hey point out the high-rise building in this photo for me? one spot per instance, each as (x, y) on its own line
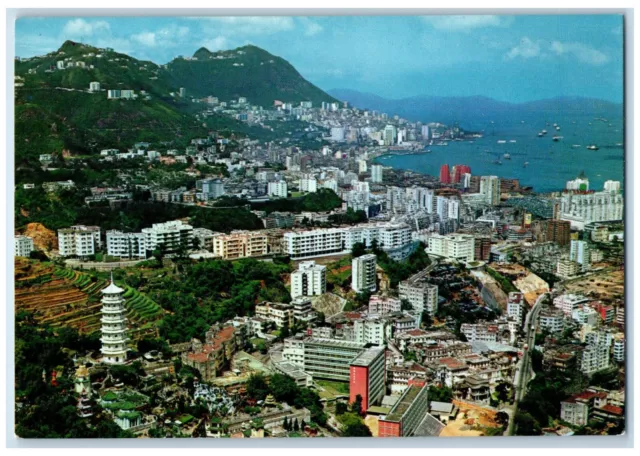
(390, 135)
(490, 188)
(559, 231)
(482, 248)
(23, 246)
(210, 188)
(367, 377)
(308, 183)
(516, 306)
(459, 171)
(309, 280)
(376, 174)
(581, 254)
(114, 325)
(277, 189)
(445, 176)
(363, 273)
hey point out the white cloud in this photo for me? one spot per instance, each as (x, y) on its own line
(526, 49)
(580, 51)
(78, 28)
(216, 44)
(145, 39)
(464, 23)
(251, 25)
(311, 28)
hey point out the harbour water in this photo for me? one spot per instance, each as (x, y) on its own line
(539, 162)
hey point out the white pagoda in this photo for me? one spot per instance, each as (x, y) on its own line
(114, 325)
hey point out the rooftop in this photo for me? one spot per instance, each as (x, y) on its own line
(367, 356)
(403, 403)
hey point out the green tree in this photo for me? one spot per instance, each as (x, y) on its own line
(356, 405)
(257, 387)
(358, 249)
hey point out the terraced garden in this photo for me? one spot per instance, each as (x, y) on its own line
(64, 297)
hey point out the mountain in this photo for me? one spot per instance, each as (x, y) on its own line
(55, 111)
(477, 109)
(248, 72)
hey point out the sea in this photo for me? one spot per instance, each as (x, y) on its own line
(550, 164)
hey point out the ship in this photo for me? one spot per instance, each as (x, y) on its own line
(557, 138)
(507, 157)
(592, 147)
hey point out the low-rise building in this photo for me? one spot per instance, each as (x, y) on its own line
(23, 246)
(309, 280)
(79, 240)
(278, 313)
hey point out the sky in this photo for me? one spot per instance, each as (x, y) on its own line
(509, 58)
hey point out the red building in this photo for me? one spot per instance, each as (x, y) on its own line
(367, 377)
(459, 171)
(445, 176)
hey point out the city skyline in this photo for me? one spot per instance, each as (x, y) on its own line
(509, 58)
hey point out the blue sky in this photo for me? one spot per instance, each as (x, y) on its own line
(510, 58)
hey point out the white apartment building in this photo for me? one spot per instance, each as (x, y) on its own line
(581, 254)
(376, 173)
(480, 332)
(458, 247)
(276, 312)
(23, 246)
(574, 411)
(612, 186)
(372, 331)
(594, 358)
(126, 245)
(551, 320)
(169, 236)
(585, 315)
(277, 189)
(79, 240)
(421, 295)
(583, 208)
(308, 183)
(363, 273)
(309, 280)
(516, 307)
(331, 241)
(567, 303)
(566, 268)
(303, 309)
(94, 86)
(381, 305)
(618, 348)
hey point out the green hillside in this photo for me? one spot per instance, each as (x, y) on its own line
(248, 72)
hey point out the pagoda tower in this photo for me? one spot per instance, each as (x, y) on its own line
(114, 325)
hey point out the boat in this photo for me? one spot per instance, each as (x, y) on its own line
(540, 135)
(557, 138)
(575, 146)
(428, 151)
(512, 141)
(507, 157)
(592, 147)
(557, 128)
(619, 145)
(525, 164)
(544, 132)
(496, 162)
(501, 141)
